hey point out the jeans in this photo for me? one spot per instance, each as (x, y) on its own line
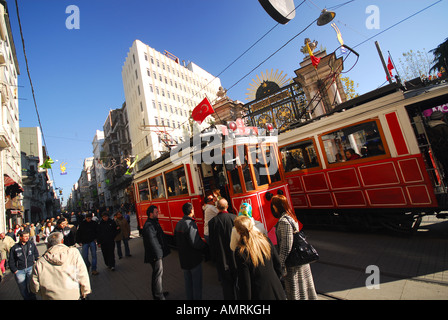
(193, 283)
(23, 278)
(127, 252)
(156, 280)
(85, 254)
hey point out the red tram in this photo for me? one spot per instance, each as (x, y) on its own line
(368, 162)
(241, 162)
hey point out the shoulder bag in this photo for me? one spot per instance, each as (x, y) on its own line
(301, 252)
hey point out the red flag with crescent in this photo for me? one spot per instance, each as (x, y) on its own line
(202, 111)
(390, 67)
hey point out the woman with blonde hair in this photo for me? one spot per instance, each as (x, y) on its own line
(299, 284)
(258, 264)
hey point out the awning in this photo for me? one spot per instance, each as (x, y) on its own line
(12, 188)
(8, 181)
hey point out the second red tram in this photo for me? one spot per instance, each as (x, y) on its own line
(242, 162)
(368, 163)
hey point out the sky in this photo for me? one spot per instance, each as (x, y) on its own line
(76, 72)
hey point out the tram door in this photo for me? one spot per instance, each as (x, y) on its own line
(433, 166)
(214, 177)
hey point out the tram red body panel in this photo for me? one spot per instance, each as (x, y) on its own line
(170, 212)
(392, 182)
(261, 207)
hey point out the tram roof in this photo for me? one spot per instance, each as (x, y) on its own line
(374, 95)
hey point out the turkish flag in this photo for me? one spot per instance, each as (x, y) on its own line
(390, 66)
(202, 111)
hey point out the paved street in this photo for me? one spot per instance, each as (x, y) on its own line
(410, 268)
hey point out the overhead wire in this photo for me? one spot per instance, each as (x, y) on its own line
(32, 87)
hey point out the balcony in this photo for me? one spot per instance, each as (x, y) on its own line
(2, 55)
(5, 139)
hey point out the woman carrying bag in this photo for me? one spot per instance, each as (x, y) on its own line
(298, 280)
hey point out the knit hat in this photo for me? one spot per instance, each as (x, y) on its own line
(436, 115)
(245, 210)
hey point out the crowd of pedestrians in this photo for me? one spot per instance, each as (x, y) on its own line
(249, 264)
(62, 272)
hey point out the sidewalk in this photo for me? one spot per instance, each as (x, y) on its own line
(410, 268)
(132, 278)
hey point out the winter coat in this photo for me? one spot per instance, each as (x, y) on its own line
(69, 235)
(154, 241)
(188, 241)
(261, 282)
(107, 230)
(220, 228)
(60, 274)
(87, 232)
(210, 211)
(125, 229)
(22, 256)
(5, 246)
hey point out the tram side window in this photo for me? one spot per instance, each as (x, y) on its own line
(143, 190)
(176, 182)
(359, 141)
(157, 189)
(299, 156)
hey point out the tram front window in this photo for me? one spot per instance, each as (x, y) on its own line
(271, 160)
(246, 167)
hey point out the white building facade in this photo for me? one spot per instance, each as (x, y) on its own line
(103, 192)
(160, 94)
(11, 209)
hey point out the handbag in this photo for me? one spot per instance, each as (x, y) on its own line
(301, 251)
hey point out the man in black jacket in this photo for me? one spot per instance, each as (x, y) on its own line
(86, 236)
(191, 248)
(220, 230)
(107, 230)
(156, 249)
(21, 260)
(67, 232)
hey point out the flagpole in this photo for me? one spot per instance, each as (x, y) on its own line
(383, 62)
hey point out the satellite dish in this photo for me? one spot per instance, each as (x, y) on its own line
(281, 11)
(325, 17)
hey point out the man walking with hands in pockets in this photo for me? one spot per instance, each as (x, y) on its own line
(156, 249)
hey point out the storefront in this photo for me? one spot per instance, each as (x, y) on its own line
(13, 205)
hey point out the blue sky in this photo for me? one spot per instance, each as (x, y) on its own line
(77, 73)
